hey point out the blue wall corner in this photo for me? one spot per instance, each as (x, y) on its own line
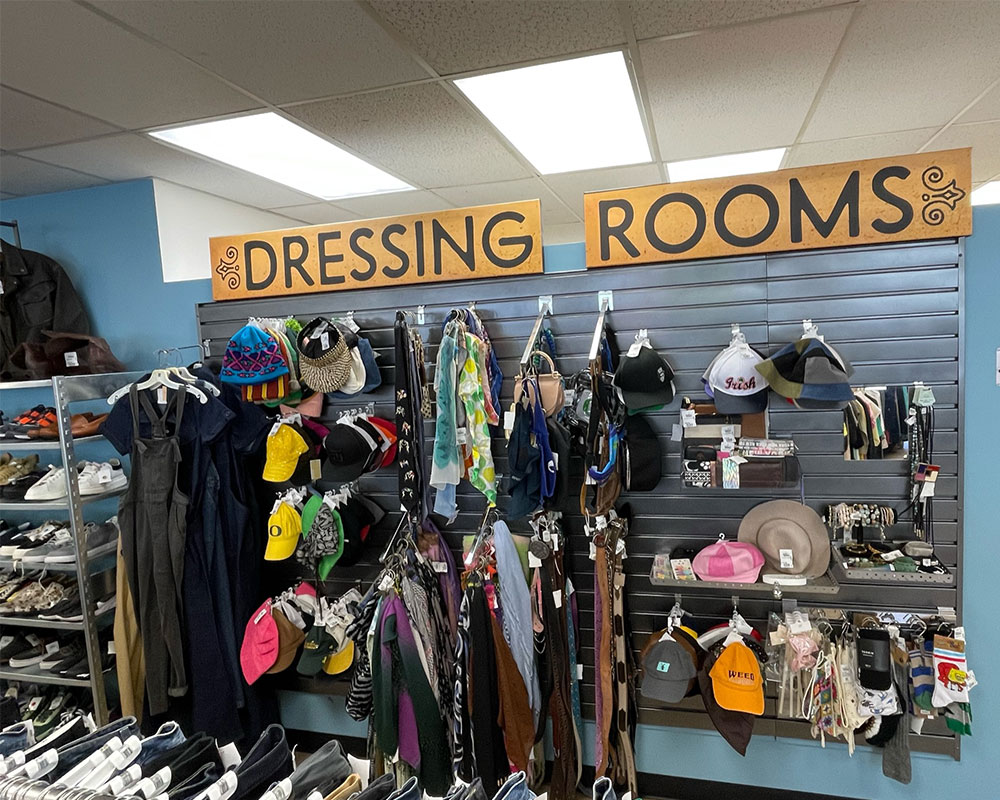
(564, 257)
(106, 239)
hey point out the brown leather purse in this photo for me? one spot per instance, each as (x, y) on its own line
(550, 386)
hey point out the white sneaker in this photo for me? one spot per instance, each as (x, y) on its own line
(100, 478)
(52, 486)
(38, 555)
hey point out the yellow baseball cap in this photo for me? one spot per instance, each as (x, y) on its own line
(341, 661)
(736, 680)
(283, 531)
(284, 446)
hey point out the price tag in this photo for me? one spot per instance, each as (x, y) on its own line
(104, 473)
(52, 647)
(71, 359)
(579, 672)
(461, 436)
(557, 599)
(688, 418)
(633, 351)
(676, 432)
(324, 341)
(533, 561)
(892, 555)
(315, 469)
(786, 558)
(161, 395)
(439, 566)
(112, 650)
(508, 421)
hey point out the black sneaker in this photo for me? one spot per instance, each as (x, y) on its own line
(32, 655)
(66, 650)
(17, 645)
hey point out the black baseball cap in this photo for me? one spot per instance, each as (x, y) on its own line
(346, 454)
(645, 381)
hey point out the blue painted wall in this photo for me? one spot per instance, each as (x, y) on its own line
(106, 238)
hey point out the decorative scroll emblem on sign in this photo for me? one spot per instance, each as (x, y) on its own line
(229, 270)
(877, 201)
(949, 195)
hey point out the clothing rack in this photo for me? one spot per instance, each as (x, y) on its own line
(17, 231)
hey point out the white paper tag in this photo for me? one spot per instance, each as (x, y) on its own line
(676, 432)
(260, 615)
(315, 469)
(557, 599)
(508, 421)
(229, 755)
(112, 650)
(33, 640)
(533, 561)
(104, 473)
(732, 638)
(927, 490)
(892, 555)
(579, 672)
(71, 359)
(439, 566)
(161, 395)
(555, 541)
(592, 550)
(324, 341)
(51, 647)
(633, 351)
(461, 436)
(688, 418)
(787, 559)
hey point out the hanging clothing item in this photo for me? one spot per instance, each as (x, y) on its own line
(446, 465)
(515, 600)
(515, 717)
(408, 418)
(481, 472)
(129, 661)
(152, 516)
(484, 699)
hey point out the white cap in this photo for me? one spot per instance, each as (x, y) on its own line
(732, 371)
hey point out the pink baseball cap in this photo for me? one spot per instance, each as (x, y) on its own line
(260, 643)
(737, 562)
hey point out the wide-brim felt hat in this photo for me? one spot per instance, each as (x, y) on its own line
(785, 527)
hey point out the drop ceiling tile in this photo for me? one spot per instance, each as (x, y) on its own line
(907, 65)
(983, 138)
(463, 35)
(885, 144)
(566, 233)
(317, 213)
(27, 122)
(570, 186)
(312, 49)
(422, 133)
(738, 89)
(986, 110)
(393, 204)
(127, 156)
(656, 18)
(24, 176)
(65, 53)
(553, 211)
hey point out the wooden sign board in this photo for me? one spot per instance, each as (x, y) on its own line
(458, 244)
(920, 196)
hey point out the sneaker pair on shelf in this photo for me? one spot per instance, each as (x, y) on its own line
(92, 478)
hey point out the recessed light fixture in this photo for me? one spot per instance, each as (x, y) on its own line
(270, 146)
(986, 195)
(566, 115)
(698, 169)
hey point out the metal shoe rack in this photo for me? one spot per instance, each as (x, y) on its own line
(65, 391)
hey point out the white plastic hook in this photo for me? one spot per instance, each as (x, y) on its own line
(809, 331)
(420, 315)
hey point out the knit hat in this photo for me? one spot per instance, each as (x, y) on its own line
(735, 562)
(324, 359)
(252, 356)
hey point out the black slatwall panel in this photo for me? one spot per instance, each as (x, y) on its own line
(893, 311)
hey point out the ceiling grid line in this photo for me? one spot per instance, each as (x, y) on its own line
(954, 120)
(827, 77)
(633, 60)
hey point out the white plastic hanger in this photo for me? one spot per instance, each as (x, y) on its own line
(122, 781)
(222, 789)
(185, 375)
(37, 767)
(281, 790)
(116, 762)
(91, 762)
(154, 784)
(158, 377)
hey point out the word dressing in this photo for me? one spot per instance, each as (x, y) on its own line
(921, 196)
(480, 242)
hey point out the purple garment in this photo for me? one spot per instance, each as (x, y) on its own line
(409, 745)
(448, 581)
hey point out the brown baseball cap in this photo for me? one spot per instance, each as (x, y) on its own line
(289, 639)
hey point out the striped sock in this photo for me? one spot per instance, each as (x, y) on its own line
(922, 676)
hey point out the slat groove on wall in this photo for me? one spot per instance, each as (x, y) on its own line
(893, 311)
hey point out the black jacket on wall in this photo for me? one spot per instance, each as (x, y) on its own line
(35, 295)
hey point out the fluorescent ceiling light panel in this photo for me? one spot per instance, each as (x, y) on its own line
(987, 195)
(720, 166)
(270, 146)
(567, 115)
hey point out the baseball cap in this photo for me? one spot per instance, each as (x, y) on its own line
(645, 380)
(735, 384)
(737, 684)
(669, 670)
(289, 639)
(736, 562)
(317, 646)
(260, 643)
(285, 445)
(341, 660)
(736, 727)
(347, 453)
(283, 529)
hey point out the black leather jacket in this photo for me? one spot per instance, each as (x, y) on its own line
(35, 295)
